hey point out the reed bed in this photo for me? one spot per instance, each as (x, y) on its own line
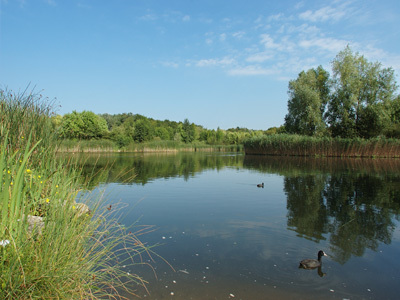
(67, 252)
(93, 146)
(296, 145)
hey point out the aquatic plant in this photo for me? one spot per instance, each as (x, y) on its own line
(53, 247)
(299, 145)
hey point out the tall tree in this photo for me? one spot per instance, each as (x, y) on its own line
(308, 96)
(188, 131)
(360, 104)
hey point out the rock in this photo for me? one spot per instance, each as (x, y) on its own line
(35, 224)
(82, 209)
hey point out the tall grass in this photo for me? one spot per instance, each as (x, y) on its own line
(296, 145)
(150, 146)
(76, 254)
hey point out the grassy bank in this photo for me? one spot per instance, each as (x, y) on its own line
(153, 146)
(296, 145)
(51, 247)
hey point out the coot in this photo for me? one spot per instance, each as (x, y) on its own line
(312, 263)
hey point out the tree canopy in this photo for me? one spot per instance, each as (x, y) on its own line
(127, 128)
(358, 101)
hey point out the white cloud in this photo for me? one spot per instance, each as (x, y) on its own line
(222, 37)
(215, 62)
(259, 57)
(149, 17)
(276, 17)
(186, 18)
(268, 42)
(251, 71)
(170, 64)
(299, 5)
(51, 2)
(329, 44)
(325, 14)
(238, 34)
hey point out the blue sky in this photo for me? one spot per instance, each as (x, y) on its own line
(217, 63)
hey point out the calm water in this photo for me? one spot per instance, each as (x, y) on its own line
(225, 236)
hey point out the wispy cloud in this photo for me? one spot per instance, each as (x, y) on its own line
(251, 70)
(226, 61)
(170, 64)
(259, 57)
(51, 2)
(239, 34)
(269, 42)
(149, 17)
(327, 13)
(331, 45)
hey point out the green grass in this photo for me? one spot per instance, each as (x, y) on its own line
(297, 145)
(75, 255)
(150, 146)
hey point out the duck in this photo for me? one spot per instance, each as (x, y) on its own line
(260, 185)
(312, 263)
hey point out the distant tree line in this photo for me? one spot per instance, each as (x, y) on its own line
(127, 128)
(357, 101)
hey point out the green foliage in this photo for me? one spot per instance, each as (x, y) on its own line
(188, 131)
(23, 114)
(84, 125)
(73, 256)
(359, 100)
(126, 130)
(143, 131)
(362, 97)
(308, 96)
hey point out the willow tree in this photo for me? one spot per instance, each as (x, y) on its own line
(361, 101)
(308, 96)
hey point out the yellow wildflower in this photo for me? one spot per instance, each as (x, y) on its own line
(9, 172)
(28, 171)
(73, 207)
(47, 200)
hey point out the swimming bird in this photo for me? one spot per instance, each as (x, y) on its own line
(312, 263)
(260, 185)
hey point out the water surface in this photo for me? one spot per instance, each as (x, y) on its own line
(226, 237)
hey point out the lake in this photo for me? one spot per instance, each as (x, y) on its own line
(224, 237)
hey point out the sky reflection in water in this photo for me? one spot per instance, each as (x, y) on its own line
(229, 237)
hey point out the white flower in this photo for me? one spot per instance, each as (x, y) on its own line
(4, 243)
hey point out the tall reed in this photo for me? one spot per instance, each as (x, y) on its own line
(49, 247)
(296, 145)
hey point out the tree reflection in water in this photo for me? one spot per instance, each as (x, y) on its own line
(350, 202)
(353, 203)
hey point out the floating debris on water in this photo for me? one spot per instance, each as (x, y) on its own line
(231, 296)
(183, 271)
(172, 293)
